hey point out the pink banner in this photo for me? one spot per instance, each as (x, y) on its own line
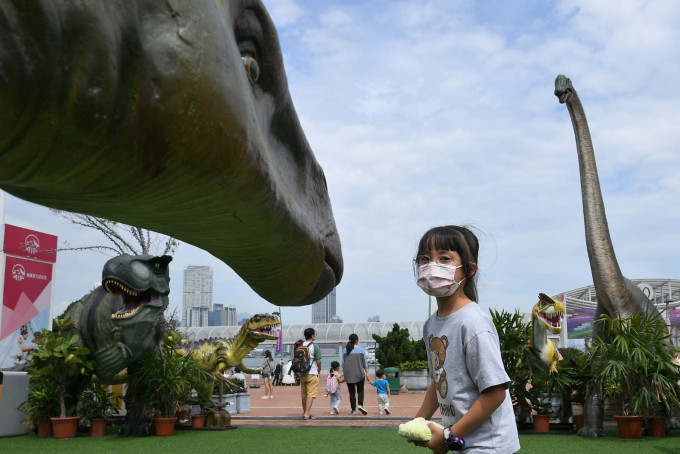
(28, 291)
(30, 244)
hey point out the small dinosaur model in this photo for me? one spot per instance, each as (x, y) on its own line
(546, 317)
(122, 320)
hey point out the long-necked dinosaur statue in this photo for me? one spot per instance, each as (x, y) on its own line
(174, 116)
(616, 295)
(546, 317)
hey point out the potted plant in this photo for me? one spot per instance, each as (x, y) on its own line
(95, 404)
(521, 364)
(41, 404)
(167, 379)
(61, 362)
(414, 376)
(635, 364)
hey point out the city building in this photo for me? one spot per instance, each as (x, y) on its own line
(217, 316)
(231, 315)
(324, 310)
(198, 296)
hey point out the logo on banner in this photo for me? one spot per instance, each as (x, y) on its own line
(18, 272)
(32, 244)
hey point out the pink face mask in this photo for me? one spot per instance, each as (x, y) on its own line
(438, 280)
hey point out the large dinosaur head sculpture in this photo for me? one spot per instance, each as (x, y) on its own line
(174, 116)
(548, 312)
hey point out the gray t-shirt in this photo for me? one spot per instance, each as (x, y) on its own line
(465, 359)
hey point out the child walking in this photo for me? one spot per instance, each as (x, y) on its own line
(469, 383)
(333, 387)
(382, 386)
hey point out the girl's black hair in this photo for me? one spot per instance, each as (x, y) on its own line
(461, 240)
(334, 365)
(268, 355)
(353, 338)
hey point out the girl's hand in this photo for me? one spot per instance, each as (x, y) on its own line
(436, 443)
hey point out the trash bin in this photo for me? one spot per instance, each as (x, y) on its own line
(392, 376)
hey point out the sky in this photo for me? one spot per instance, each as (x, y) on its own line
(442, 112)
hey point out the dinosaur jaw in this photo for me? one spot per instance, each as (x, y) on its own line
(551, 320)
(133, 300)
(267, 332)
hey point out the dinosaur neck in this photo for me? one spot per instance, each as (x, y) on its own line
(607, 278)
(539, 336)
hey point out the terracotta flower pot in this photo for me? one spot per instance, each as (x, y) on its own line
(541, 423)
(656, 426)
(164, 426)
(629, 426)
(578, 421)
(198, 421)
(44, 428)
(98, 428)
(65, 427)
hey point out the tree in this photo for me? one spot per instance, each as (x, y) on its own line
(397, 348)
(123, 238)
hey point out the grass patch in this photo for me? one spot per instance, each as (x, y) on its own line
(248, 440)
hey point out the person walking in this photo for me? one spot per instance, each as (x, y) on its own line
(309, 380)
(278, 371)
(267, 369)
(355, 371)
(382, 386)
(333, 387)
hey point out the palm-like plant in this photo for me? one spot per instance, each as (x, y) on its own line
(61, 362)
(165, 379)
(521, 363)
(635, 363)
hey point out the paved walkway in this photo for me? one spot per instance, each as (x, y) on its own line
(285, 409)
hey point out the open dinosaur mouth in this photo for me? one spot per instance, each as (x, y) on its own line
(133, 300)
(553, 318)
(266, 331)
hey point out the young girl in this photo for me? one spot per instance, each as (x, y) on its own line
(334, 390)
(267, 369)
(469, 384)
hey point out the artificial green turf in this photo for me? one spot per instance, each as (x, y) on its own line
(316, 440)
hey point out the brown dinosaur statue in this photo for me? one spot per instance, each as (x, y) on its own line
(174, 116)
(616, 295)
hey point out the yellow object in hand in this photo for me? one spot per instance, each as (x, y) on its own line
(417, 429)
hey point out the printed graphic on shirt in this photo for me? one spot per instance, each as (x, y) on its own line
(437, 353)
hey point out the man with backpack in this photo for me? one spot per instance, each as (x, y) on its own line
(307, 363)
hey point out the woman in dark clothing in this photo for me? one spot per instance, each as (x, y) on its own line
(355, 370)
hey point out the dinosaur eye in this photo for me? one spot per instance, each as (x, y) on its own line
(157, 265)
(252, 68)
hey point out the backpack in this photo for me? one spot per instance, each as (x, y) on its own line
(331, 384)
(302, 359)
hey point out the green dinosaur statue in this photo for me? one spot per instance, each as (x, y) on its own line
(546, 317)
(616, 295)
(174, 116)
(122, 321)
(216, 355)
